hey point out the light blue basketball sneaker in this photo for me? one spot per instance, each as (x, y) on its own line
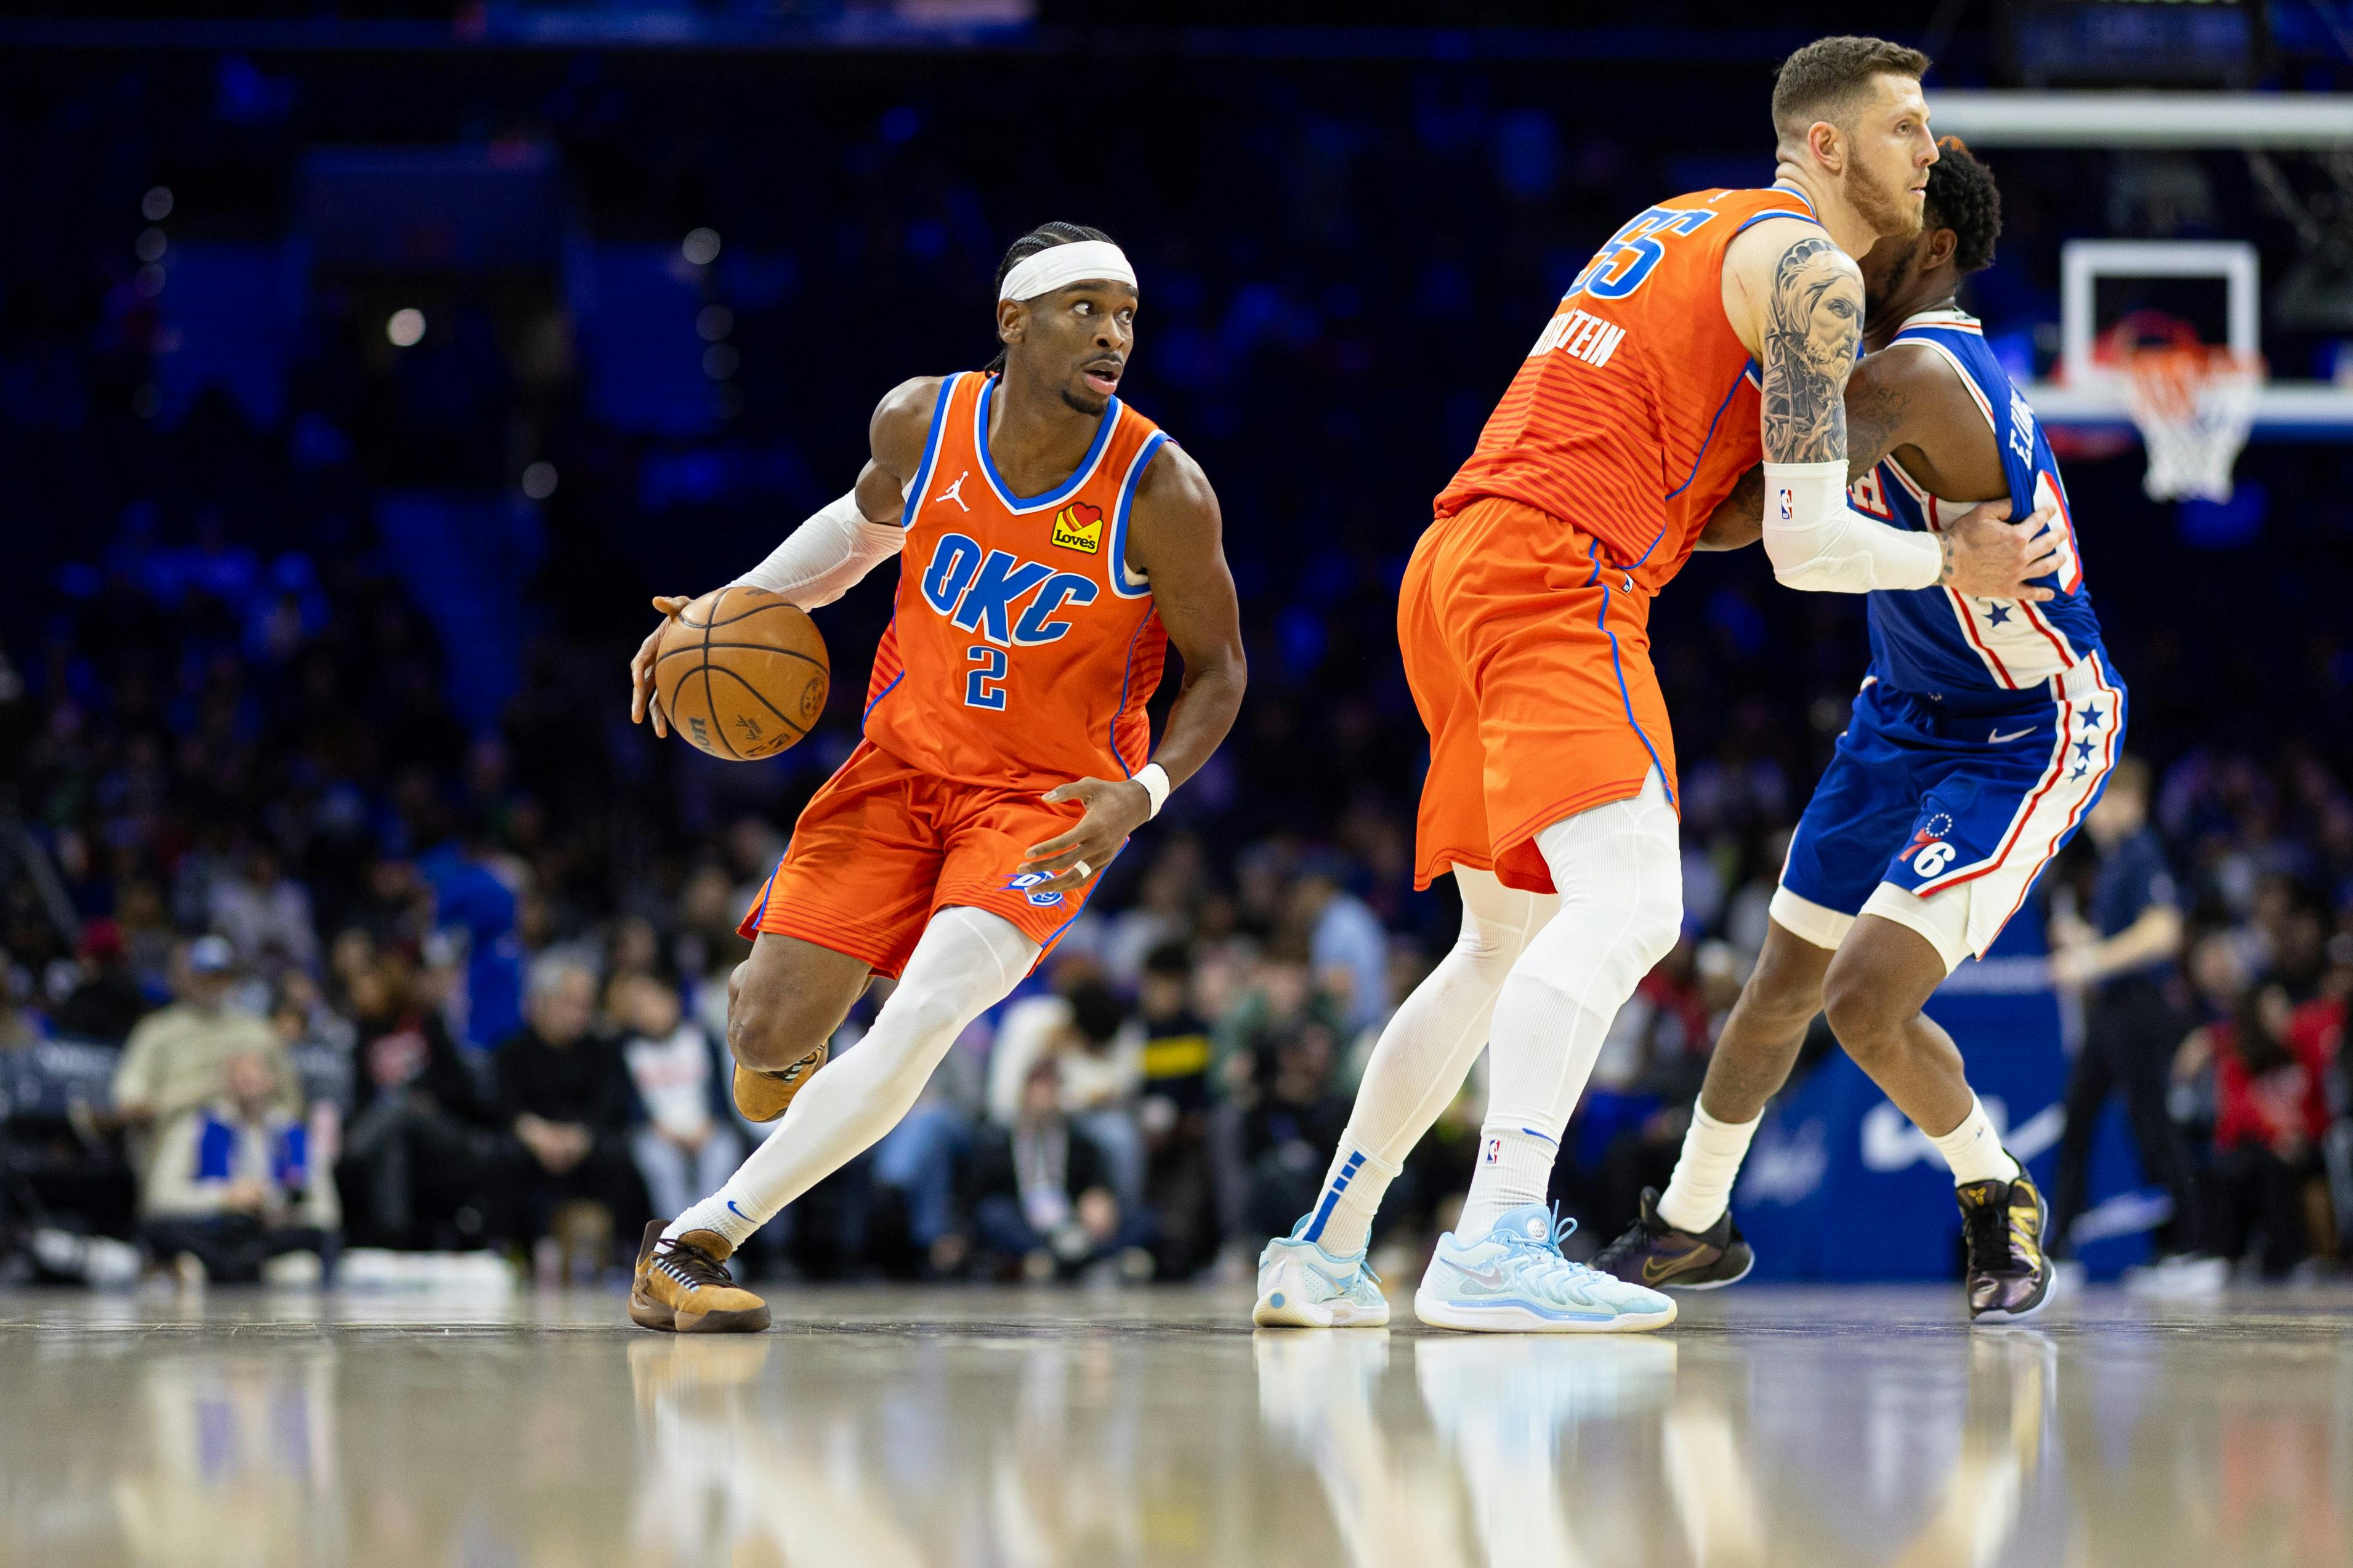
(1301, 1286)
(1515, 1280)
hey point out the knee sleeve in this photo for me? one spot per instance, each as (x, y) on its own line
(1619, 871)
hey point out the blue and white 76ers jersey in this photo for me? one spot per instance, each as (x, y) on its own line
(1934, 641)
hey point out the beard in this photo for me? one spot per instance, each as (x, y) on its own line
(1875, 298)
(1094, 408)
(1890, 211)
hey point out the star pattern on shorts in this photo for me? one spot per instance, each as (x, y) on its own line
(2081, 769)
(2085, 748)
(2092, 717)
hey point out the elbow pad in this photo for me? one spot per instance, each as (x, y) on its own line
(826, 556)
(1819, 543)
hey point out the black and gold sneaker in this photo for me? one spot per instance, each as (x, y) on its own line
(2009, 1272)
(1655, 1254)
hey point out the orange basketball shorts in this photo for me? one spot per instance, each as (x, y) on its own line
(883, 846)
(1529, 655)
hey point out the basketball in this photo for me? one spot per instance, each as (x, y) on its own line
(741, 673)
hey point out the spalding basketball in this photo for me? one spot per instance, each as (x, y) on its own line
(741, 673)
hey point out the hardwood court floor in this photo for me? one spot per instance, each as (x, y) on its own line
(875, 1428)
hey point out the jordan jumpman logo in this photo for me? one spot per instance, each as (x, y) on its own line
(955, 492)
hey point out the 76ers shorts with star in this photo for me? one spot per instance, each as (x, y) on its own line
(1940, 816)
(883, 846)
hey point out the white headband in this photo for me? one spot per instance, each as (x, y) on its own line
(1060, 265)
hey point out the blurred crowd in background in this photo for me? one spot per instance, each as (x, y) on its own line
(341, 909)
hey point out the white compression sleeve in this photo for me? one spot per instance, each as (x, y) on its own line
(1619, 871)
(1424, 1053)
(966, 962)
(825, 557)
(1819, 543)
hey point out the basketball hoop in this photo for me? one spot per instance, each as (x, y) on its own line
(2193, 401)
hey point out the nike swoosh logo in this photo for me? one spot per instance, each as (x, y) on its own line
(1997, 737)
(1491, 1277)
(1652, 1272)
(739, 1214)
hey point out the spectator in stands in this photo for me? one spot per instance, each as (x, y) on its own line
(1042, 1196)
(176, 1060)
(1175, 1110)
(424, 1159)
(2273, 1113)
(688, 1145)
(1102, 1065)
(566, 1095)
(107, 1003)
(2123, 957)
(1348, 950)
(18, 1028)
(1297, 1116)
(232, 1186)
(470, 895)
(263, 912)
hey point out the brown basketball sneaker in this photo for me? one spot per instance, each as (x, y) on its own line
(683, 1287)
(763, 1095)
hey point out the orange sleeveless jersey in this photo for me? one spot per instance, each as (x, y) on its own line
(1022, 650)
(1637, 410)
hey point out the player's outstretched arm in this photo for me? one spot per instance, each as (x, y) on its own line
(1176, 538)
(831, 551)
(1796, 301)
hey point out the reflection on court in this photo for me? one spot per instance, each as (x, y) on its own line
(972, 1428)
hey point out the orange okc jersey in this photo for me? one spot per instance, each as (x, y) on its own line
(1637, 410)
(1023, 649)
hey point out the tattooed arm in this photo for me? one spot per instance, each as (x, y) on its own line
(1813, 320)
(1796, 301)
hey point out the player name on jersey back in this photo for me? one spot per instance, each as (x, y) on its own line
(1581, 337)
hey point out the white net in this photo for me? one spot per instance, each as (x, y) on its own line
(2194, 407)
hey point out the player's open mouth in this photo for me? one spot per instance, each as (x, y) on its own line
(1101, 375)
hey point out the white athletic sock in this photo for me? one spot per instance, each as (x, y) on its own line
(1423, 1055)
(1700, 1189)
(967, 961)
(1342, 1220)
(1974, 1149)
(1514, 1167)
(1619, 871)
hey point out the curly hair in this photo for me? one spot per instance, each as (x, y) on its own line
(1045, 237)
(1962, 198)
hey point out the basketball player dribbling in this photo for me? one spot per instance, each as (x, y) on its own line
(1713, 331)
(1054, 543)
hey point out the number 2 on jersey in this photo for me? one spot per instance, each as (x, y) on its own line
(1620, 266)
(980, 684)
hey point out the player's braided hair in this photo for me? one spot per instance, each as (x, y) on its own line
(1962, 198)
(1045, 237)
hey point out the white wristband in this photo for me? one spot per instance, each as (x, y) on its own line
(1155, 780)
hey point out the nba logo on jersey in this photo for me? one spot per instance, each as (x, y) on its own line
(1788, 506)
(1078, 527)
(1494, 1150)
